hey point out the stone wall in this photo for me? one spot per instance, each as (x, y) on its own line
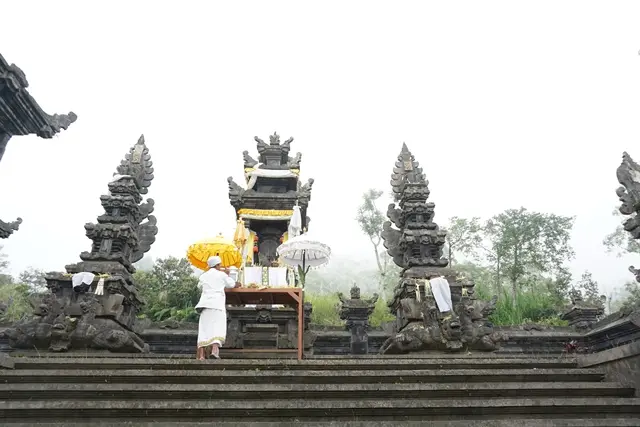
(612, 340)
(614, 346)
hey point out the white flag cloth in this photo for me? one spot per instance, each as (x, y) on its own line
(441, 293)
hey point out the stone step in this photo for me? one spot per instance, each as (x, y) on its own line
(275, 364)
(320, 410)
(309, 391)
(258, 376)
(511, 422)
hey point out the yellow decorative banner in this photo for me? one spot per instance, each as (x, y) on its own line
(265, 212)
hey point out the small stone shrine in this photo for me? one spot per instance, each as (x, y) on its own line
(415, 242)
(355, 312)
(273, 191)
(20, 114)
(95, 304)
(580, 314)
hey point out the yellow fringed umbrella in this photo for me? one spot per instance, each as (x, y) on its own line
(200, 252)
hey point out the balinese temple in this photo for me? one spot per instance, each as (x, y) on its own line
(274, 199)
(20, 114)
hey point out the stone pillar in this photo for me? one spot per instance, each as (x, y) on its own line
(356, 311)
(582, 315)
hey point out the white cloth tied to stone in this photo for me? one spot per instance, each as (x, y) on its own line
(267, 173)
(441, 293)
(85, 278)
(100, 287)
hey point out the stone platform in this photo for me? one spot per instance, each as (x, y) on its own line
(486, 390)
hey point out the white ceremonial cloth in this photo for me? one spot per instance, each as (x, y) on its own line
(212, 327)
(253, 275)
(277, 277)
(441, 293)
(85, 278)
(267, 173)
(212, 283)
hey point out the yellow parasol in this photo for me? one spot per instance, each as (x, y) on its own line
(200, 252)
(239, 237)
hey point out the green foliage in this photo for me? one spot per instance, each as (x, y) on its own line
(524, 243)
(621, 242)
(170, 290)
(369, 217)
(632, 300)
(589, 289)
(326, 308)
(34, 278)
(4, 263)
(536, 302)
(371, 220)
(534, 305)
(464, 236)
(16, 299)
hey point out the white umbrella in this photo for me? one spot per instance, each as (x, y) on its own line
(304, 252)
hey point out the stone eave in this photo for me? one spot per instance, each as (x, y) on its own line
(7, 228)
(20, 114)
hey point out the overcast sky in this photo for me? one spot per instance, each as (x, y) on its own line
(505, 104)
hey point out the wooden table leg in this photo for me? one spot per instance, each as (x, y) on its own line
(300, 326)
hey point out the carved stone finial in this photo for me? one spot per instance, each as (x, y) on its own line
(355, 292)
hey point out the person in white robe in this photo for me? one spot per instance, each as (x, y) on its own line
(212, 328)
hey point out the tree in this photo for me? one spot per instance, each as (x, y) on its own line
(371, 219)
(463, 236)
(5, 279)
(145, 264)
(525, 242)
(170, 289)
(632, 300)
(589, 289)
(620, 241)
(34, 279)
(4, 263)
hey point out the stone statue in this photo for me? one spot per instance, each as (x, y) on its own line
(415, 243)
(102, 314)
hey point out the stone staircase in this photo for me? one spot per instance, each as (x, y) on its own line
(481, 391)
